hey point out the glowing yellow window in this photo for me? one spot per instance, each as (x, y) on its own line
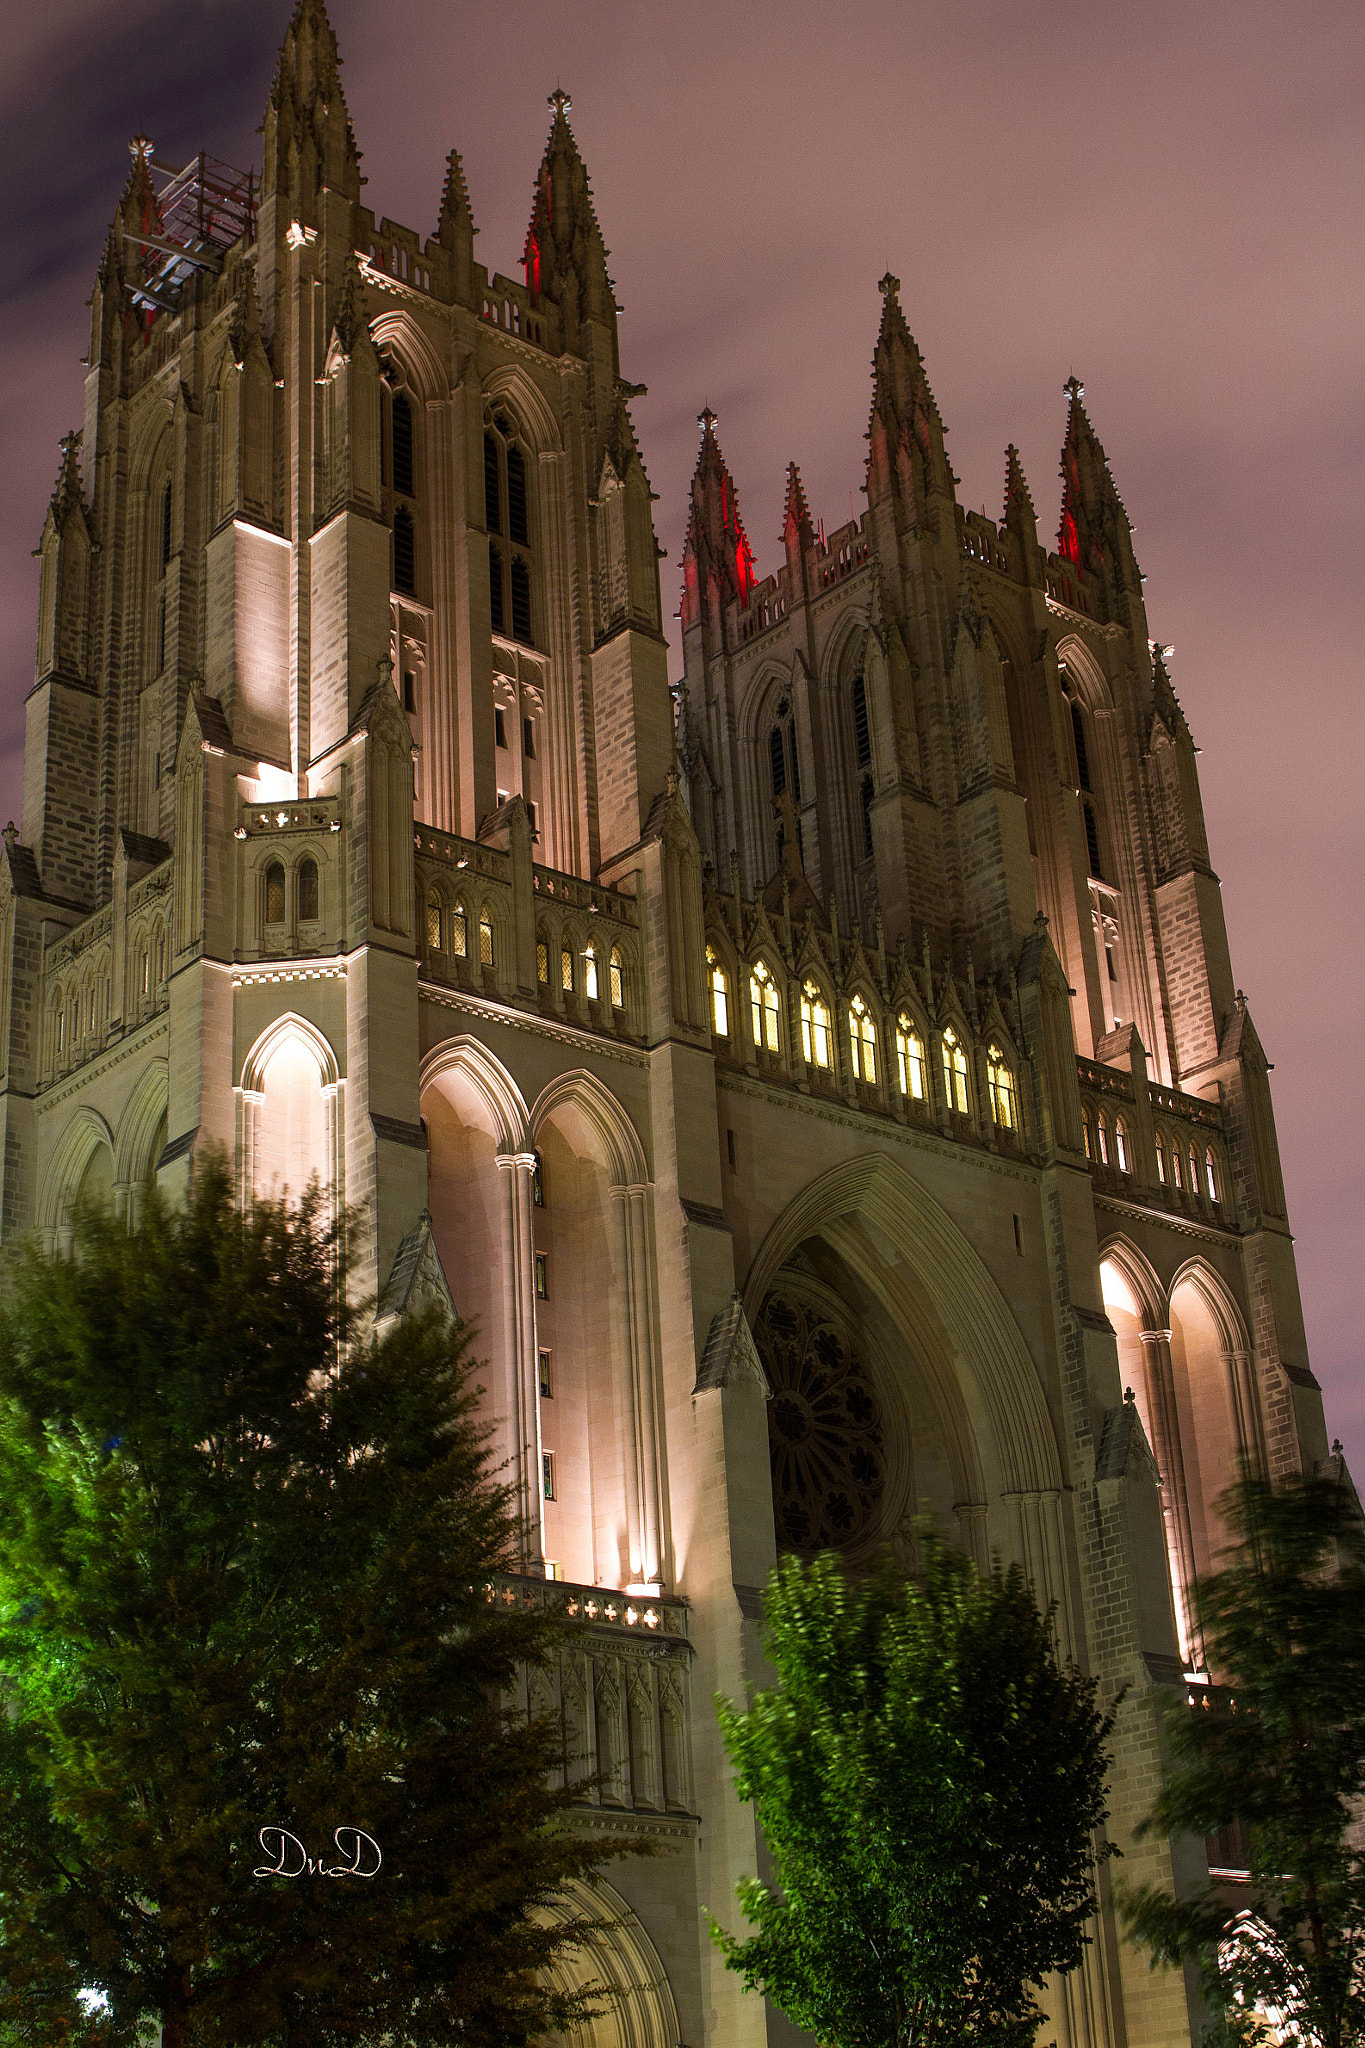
(590, 972)
(1121, 1146)
(1088, 1126)
(434, 922)
(485, 940)
(955, 1072)
(542, 963)
(720, 995)
(1102, 1133)
(863, 1034)
(763, 1006)
(459, 934)
(814, 1026)
(1211, 1171)
(1161, 1158)
(910, 1069)
(617, 979)
(1000, 1081)
(566, 969)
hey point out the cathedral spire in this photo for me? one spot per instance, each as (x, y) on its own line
(798, 531)
(455, 230)
(67, 495)
(309, 141)
(1094, 531)
(716, 552)
(565, 256)
(906, 457)
(1020, 519)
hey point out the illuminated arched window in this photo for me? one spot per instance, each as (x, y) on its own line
(485, 940)
(815, 1037)
(458, 940)
(863, 1038)
(1000, 1082)
(1177, 1167)
(910, 1064)
(590, 973)
(566, 968)
(1211, 1175)
(435, 923)
(274, 893)
(954, 1072)
(1102, 1137)
(720, 994)
(308, 892)
(1122, 1155)
(1161, 1158)
(542, 960)
(1088, 1127)
(763, 1009)
(616, 979)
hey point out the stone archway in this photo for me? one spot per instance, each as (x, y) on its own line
(620, 1961)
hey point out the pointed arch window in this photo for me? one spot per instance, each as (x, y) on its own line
(616, 979)
(485, 940)
(1088, 1127)
(308, 892)
(1161, 1170)
(1000, 1082)
(955, 1072)
(720, 994)
(1102, 1137)
(274, 893)
(508, 514)
(543, 962)
(458, 938)
(764, 1008)
(1211, 1176)
(566, 981)
(435, 924)
(815, 1033)
(590, 973)
(910, 1062)
(1122, 1155)
(784, 760)
(863, 1039)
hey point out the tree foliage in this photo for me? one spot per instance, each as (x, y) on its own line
(244, 1565)
(928, 1783)
(1280, 1749)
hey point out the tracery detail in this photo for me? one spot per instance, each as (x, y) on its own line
(825, 1432)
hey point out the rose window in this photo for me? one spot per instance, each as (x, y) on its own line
(824, 1430)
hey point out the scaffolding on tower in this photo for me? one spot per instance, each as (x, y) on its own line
(201, 209)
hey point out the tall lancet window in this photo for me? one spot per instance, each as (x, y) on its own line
(508, 515)
(400, 452)
(1080, 738)
(784, 764)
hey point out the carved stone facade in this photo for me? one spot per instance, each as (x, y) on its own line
(853, 1025)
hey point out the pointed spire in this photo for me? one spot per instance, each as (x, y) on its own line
(309, 141)
(1094, 530)
(716, 546)
(67, 495)
(565, 256)
(457, 216)
(906, 458)
(1019, 510)
(798, 531)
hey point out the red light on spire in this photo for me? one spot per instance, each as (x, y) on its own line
(533, 266)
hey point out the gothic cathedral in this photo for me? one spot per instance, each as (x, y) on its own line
(822, 1079)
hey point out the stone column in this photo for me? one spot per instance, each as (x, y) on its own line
(1246, 1412)
(1175, 1500)
(522, 1394)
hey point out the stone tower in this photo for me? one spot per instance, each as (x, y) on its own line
(827, 1091)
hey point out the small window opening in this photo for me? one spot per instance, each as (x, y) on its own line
(616, 977)
(815, 1035)
(409, 690)
(542, 1277)
(485, 940)
(590, 973)
(547, 1466)
(566, 969)
(910, 1062)
(274, 893)
(542, 963)
(955, 1072)
(862, 736)
(521, 601)
(499, 728)
(730, 1150)
(404, 552)
(720, 994)
(547, 1391)
(435, 923)
(538, 1184)
(528, 738)
(863, 1038)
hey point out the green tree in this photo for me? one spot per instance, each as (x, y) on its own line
(1279, 1749)
(244, 1564)
(928, 1783)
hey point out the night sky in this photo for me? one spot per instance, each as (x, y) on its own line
(1164, 198)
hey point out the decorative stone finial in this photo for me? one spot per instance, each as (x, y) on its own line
(1073, 387)
(560, 101)
(889, 285)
